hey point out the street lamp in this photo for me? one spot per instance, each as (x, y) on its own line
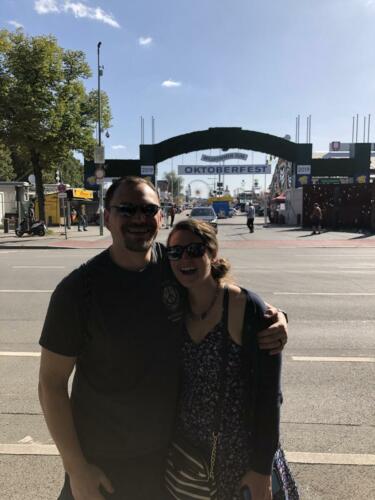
(100, 164)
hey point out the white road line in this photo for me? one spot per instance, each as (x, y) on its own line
(292, 456)
(20, 354)
(26, 291)
(330, 458)
(28, 449)
(38, 267)
(349, 294)
(334, 256)
(342, 359)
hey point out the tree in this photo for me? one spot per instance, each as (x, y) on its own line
(6, 165)
(175, 183)
(45, 111)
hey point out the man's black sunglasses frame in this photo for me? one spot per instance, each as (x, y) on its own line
(193, 250)
(129, 209)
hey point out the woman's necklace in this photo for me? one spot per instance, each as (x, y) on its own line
(203, 315)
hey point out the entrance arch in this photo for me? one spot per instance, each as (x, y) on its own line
(225, 138)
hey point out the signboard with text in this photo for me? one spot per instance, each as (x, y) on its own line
(224, 157)
(223, 169)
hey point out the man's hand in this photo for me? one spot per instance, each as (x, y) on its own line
(85, 483)
(260, 485)
(275, 336)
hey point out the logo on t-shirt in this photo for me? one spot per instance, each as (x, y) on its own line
(171, 296)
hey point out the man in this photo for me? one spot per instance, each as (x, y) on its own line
(316, 219)
(250, 217)
(123, 340)
(82, 222)
(172, 213)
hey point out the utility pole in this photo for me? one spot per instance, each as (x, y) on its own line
(99, 156)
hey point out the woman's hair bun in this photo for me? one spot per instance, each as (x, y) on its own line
(220, 268)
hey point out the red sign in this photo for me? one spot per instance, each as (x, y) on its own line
(61, 188)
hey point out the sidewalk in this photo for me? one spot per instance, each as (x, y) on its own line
(56, 239)
(232, 233)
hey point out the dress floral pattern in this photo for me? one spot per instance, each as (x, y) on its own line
(198, 403)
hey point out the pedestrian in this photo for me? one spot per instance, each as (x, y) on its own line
(250, 217)
(30, 216)
(221, 317)
(124, 341)
(73, 215)
(82, 221)
(316, 219)
(172, 213)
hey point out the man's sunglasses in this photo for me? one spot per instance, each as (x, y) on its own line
(193, 251)
(129, 209)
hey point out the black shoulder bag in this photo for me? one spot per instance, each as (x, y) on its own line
(190, 472)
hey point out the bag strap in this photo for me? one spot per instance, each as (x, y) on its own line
(223, 365)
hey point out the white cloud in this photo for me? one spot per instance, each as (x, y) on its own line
(78, 9)
(171, 83)
(81, 10)
(119, 146)
(16, 24)
(144, 40)
(46, 6)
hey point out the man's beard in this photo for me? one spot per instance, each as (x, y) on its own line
(141, 245)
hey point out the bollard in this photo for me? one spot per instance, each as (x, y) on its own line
(6, 225)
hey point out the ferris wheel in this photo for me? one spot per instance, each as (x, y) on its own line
(199, 188)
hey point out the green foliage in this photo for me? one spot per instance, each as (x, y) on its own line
(7, 172)
(175, 183)
(71, 172)
(46, 113)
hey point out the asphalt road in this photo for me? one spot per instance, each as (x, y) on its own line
(328, 415)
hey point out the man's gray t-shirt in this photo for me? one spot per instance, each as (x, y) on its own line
(124, 329)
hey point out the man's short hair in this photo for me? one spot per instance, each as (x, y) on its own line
(128, 180)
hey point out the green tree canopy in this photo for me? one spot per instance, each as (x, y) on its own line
(45, 111)
(7, 172)
(175, 183)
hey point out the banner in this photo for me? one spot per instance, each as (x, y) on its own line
(226, 156)
(223, 169)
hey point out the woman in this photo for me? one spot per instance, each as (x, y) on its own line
(221, 322)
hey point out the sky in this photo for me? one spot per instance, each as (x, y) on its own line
(195, 64)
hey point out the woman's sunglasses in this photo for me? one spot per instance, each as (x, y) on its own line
(193, 251)
(129, 209)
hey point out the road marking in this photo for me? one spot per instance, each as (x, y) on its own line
(20, 354)
(333, 256)
(330, 458)
(26, 291)
(349, 294)
(343, 359)
(292, 456)
(38, 267)
(28, 449)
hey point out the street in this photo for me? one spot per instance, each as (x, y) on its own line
(328, 417)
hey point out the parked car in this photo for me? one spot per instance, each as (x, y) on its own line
(205, 214)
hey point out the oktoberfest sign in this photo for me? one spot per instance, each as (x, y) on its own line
(223, 169)
(224, 157)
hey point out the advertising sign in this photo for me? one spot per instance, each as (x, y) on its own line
(303, 180)
(147, 169)
(83, 193)
(303, 169)
(226, 156)
(99, 155)
(223, 169)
